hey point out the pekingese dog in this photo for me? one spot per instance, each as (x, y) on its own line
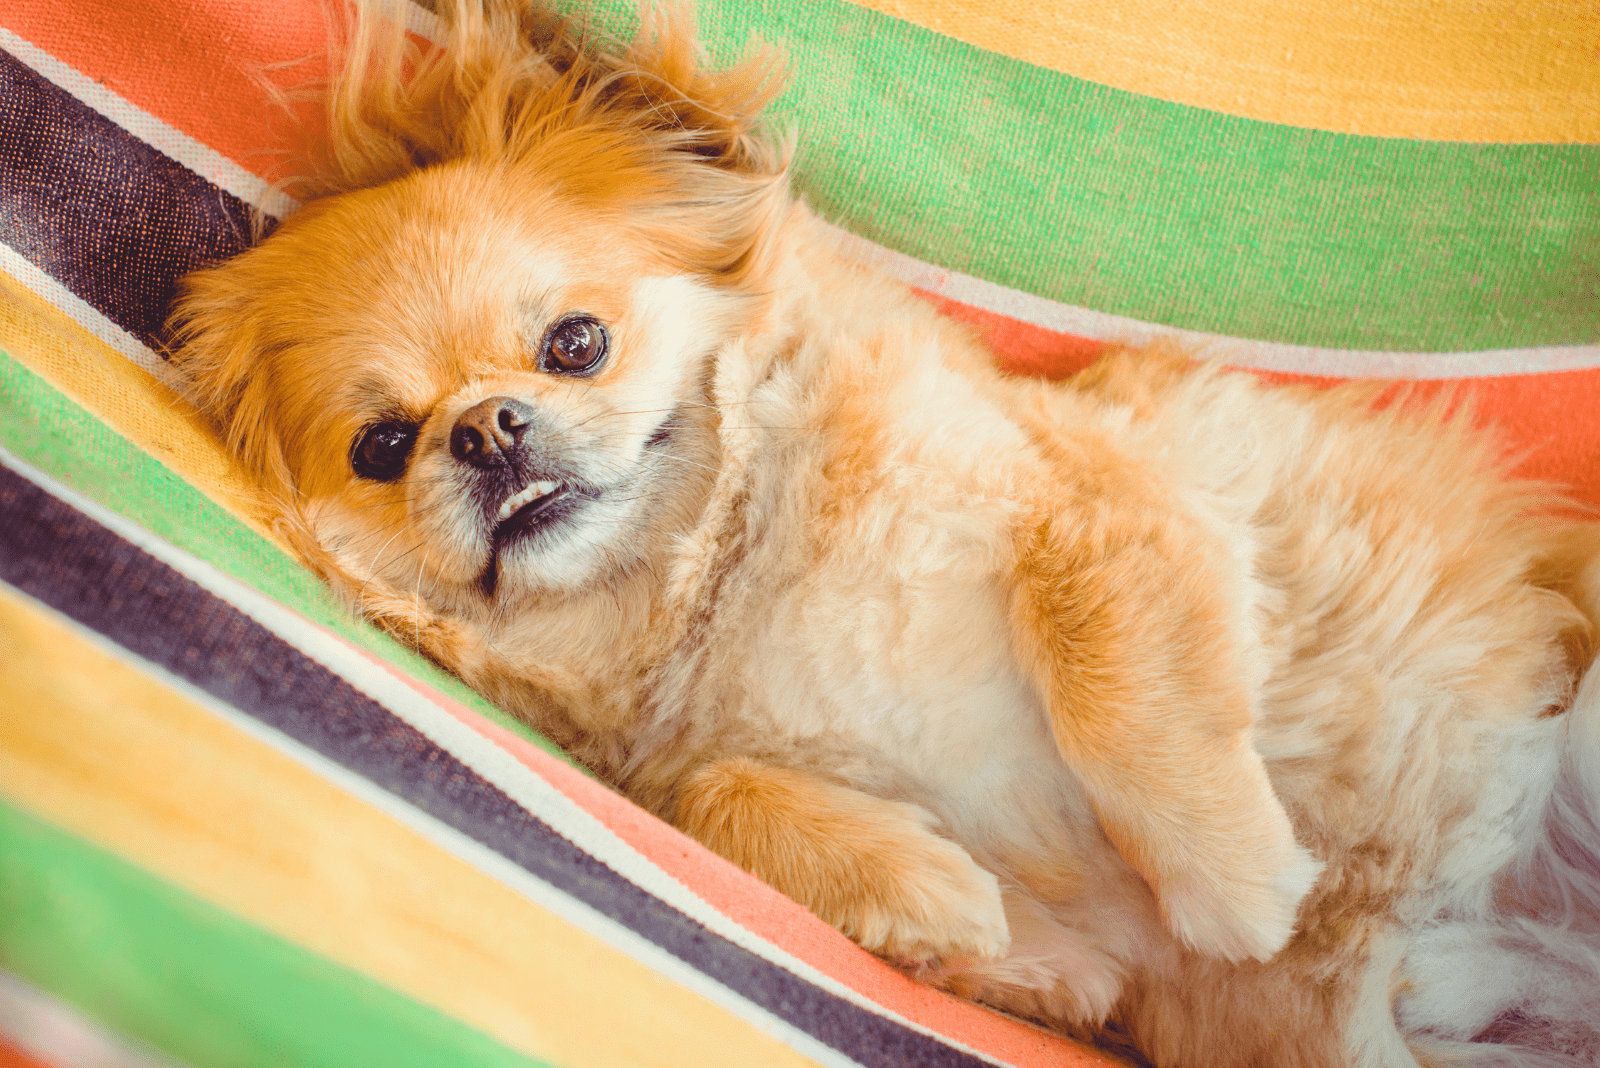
(1242, 723)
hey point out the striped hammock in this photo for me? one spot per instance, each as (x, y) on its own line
(239, 828)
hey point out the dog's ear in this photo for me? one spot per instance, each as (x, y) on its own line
(713, 189)
(1130, 619)
(224, 340)
(216, 347)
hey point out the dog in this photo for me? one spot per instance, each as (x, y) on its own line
(1228, 724)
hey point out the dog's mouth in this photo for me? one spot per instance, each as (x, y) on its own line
(541, 505)
(529, 511)
(527, 506)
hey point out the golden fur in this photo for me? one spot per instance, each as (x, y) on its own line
(1156, 701)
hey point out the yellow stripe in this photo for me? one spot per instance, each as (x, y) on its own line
(126, 398)
(99, 748)
(1443, 70)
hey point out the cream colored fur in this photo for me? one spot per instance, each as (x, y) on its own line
(1159, 705)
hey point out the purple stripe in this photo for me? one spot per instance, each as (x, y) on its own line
(106, 215)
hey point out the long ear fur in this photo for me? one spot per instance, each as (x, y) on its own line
(219, 349)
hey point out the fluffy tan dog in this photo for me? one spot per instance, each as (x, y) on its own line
(1225, 718)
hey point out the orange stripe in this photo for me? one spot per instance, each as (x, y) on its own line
(191, 63)
(1553, 417)
(12, 1057)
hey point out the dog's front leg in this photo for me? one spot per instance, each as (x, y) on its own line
(1128, 617)
(872, 868)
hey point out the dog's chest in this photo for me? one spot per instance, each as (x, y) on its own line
(893, 660)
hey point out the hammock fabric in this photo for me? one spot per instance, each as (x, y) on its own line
(239, 828)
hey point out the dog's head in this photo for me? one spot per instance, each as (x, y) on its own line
(477, 363)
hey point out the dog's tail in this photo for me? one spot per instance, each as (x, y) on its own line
(1565, 862)
(1547, 941)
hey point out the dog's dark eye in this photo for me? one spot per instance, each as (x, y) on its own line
(381, 450)
(575, 346)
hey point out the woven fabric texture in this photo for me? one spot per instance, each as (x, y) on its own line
(241, 827)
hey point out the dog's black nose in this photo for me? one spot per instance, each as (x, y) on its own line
(485, 432)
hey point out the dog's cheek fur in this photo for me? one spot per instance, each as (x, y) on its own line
(673, 329)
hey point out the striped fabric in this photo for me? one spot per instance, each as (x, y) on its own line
(239, 828)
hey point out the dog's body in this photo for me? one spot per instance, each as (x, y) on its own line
(1231, 716)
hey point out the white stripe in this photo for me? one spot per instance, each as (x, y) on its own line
(515, 779)
(424, 23)
(467, 849)
(1238, 352)
(169, 141)
(54, 1032)
(54, 293)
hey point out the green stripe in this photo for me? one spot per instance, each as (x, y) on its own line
(44, 428)
(1173, 214)
(159, 965)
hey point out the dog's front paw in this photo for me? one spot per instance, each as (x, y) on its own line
(871, 867)
(929, 908)
(1247, 917)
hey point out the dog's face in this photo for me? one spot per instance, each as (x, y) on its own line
(480, 390)
(473, 372)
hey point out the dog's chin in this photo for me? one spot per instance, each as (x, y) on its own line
(537, 528)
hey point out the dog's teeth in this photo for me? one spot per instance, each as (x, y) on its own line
(531, 493)
(513, 502)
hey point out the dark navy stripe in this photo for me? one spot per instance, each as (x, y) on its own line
(109, 217)
(62, 558)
